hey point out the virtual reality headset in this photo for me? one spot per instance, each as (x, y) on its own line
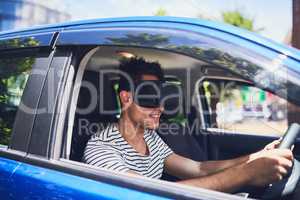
(148, 94)
(151, 93)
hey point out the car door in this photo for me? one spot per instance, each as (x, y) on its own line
(52, 152)
(235, 52)
(48, 172)
(24, 171)
(31, 78)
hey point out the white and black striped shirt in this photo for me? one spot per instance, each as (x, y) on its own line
(108, 149)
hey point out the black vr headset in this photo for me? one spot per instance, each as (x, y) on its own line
(151, 93)
(148, 93)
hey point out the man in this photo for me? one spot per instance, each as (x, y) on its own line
(133, 146)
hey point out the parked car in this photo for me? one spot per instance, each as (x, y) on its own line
(58, 87)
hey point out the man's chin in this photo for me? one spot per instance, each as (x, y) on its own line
(152, 126)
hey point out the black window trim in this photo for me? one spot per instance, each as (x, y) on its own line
(44, 39)
(41, 146)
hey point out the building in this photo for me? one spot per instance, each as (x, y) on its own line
(27, 13)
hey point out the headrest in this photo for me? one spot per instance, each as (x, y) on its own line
(173, 100)
(105, 107)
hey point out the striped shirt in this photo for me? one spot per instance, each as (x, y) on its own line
(108, 149)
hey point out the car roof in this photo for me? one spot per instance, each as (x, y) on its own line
(229, 29)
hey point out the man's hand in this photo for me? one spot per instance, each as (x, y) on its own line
(273, 145)
(259, 169)
(268, 166)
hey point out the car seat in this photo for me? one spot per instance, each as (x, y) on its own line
(95, 119)
(179, 136)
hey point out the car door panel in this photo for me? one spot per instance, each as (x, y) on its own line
(7, 169)
(231, 145)
(30, 182)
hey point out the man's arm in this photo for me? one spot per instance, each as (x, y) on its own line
(259, 169)
(229, 180)
(185, 168)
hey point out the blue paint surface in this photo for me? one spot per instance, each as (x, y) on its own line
(31, 182)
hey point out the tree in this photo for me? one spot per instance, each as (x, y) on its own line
(236, 18)
(13, 76)
(161, 12)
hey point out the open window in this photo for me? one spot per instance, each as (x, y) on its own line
(95, 102)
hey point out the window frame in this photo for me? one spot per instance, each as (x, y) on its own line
(206, 114)
(57, 161)
(42, 145)
(147, 185)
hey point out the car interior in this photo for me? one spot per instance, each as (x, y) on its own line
(108, 58)
(189, 141)
(175, 66)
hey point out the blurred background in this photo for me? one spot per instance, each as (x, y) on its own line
(276, 19)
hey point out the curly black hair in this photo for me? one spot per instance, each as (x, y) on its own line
(134, 68)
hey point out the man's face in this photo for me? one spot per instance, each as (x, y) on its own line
(142, 116)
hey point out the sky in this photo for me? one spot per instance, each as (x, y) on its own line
(274, 16)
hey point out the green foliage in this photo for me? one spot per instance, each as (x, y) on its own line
(13, 76)
(236, 18)
(161, 12)
(19, 42)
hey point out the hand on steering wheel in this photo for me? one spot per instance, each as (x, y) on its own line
(288, 184)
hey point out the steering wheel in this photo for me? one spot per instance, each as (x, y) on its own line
(288, 184)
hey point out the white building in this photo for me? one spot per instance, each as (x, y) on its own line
(27, 13)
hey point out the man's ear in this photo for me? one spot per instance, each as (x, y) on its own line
(125, 97)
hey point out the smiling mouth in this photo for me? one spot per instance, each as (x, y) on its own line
(155, 116)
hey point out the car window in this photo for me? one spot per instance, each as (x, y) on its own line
(246, 109)
(97, 101)
(14, 73)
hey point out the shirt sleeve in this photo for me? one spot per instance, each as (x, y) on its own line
(106, 157)
(166, 150)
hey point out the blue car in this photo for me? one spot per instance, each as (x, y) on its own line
(58, 88)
